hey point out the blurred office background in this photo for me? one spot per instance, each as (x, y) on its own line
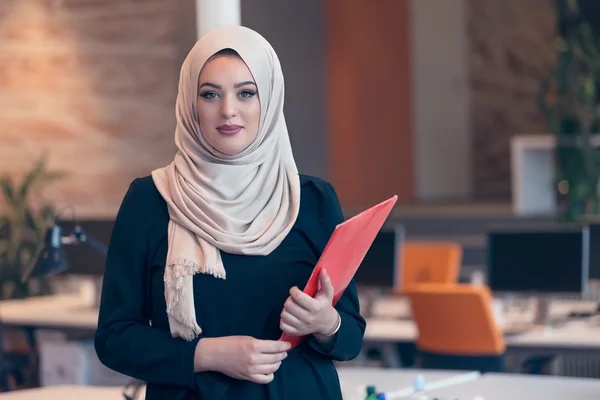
(442, 102)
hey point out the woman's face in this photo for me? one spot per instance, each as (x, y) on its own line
(228, 105)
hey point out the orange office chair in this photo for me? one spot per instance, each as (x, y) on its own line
(429, 262)
(457, 329)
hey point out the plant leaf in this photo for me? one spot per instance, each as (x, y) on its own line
(8, 191)
(25, 255)
(32, 220)
(47, 213)
(32, 176)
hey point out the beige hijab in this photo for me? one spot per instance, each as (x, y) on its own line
(242, 204)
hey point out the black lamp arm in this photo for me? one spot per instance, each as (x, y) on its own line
(134, 386)
(49, 259)
(83, 237)
(78, 235)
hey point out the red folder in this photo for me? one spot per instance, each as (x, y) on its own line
(345, 251)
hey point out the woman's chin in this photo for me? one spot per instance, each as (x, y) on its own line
(230, 145)
(230, 149)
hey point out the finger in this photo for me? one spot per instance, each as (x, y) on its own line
(290, 330)
(262, 379)
(291, 320)
(299, 312)
(304, 300)
(270, 358)
(265, 369)
(271, 346)
(326, 285)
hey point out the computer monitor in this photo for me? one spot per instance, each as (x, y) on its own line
(594, 272)
(539, 260)
(379, 268)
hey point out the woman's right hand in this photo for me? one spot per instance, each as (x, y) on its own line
(241, 357)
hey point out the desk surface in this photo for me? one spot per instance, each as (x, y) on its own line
(522, 387)
(488, 386)
(577, 335)
(387, 380)
(70, 311)
(351, 379)
(573, 335)
(391, 323)
(390, 330)
(57, 311)
(399, 307)
(66, 392)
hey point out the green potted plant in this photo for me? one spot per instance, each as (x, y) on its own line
(569, 100)
(23, 228)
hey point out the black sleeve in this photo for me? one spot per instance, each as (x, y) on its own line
(125, 341)
(347, 342)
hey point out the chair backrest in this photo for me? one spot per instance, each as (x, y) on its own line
(429, 262)
(455, 319)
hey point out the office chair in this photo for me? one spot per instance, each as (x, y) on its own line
(429, 262)
(457, 328)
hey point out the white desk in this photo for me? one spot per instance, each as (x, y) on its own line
(66, 392)
(68, 311)
(575, 339)
(384, 334)
(71, 311)
(522, 387)
(387, 380)
(490, 386)
(57, 311)
(352, 380)
(390, 330)
(392, 307)
(399, 307)
(575, 335)
(523, 339)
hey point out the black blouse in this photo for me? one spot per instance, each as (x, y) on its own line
(133, 334)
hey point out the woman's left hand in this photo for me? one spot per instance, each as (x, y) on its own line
(303, 315)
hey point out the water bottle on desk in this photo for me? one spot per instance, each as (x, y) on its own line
(419, 389)
(417, 392)
(373, 395)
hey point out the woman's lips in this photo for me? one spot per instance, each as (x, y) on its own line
(229, 129)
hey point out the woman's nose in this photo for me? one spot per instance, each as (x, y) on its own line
(228, 108)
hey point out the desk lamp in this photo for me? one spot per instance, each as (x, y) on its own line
(134, 387)
(51, 258)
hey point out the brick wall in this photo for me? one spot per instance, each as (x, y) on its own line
(511, 48)
(92, 83)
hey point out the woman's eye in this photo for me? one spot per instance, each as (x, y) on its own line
(208, 95)
(246, 94)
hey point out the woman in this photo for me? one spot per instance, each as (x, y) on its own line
(208, 254)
